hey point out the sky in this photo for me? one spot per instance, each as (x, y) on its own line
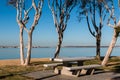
(76, 33)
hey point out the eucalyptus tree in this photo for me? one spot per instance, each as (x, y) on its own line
(22, 17)
(114, 22)
(95, 14)
(61, 10)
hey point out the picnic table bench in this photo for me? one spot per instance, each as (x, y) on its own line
(54, 66)
(69, 69)
(78, 70)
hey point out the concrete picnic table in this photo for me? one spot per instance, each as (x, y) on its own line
(69, 61)
(72, 59)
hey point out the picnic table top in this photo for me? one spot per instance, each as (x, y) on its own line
(70, 59)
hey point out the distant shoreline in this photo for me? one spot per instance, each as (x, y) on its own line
(54, 47)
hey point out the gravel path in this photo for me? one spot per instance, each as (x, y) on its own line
(49, 75)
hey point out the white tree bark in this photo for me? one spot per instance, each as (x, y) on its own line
(21, 47)
(29, 47)
(115, 26)
(111, 46)
(22, 20)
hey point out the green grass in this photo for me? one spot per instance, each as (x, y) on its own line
(15, 72)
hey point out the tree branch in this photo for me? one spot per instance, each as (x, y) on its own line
(94, 24)
(38, 11)
(67, 13)
(94, 16)
(54, 14)
(100, 15)
(65, 23)
(111, 11)
(93, 33)
(26, 17)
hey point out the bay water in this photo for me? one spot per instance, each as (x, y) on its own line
(13, 53)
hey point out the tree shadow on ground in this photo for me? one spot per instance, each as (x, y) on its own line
(115, 78)
(35, 63)
(5, 76)
(98, 71)
(116, 70)
(47, 77)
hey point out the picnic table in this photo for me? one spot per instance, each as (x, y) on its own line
(68, 68)
(69, 59)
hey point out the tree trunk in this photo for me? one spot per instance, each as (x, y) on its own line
(21, 47)
(60, 35)
(111, 46)
(98, 41)
(29, 47)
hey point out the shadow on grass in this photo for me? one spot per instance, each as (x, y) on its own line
(40, 75)
(115, 78)
(99, 71)
(47, 77)
(116, 69)
(40, 63)
(5, 76)
(37, 63)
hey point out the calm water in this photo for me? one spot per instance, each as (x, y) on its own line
(13, 53)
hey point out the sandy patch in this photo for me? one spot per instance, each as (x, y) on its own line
(17, 61)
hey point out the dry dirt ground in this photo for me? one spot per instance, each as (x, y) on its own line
(17, 61)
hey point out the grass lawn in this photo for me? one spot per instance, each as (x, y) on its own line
(14, 71)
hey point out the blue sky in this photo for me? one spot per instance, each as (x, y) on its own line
(45, 34)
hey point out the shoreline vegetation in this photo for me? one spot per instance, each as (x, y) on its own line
(53, 47)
